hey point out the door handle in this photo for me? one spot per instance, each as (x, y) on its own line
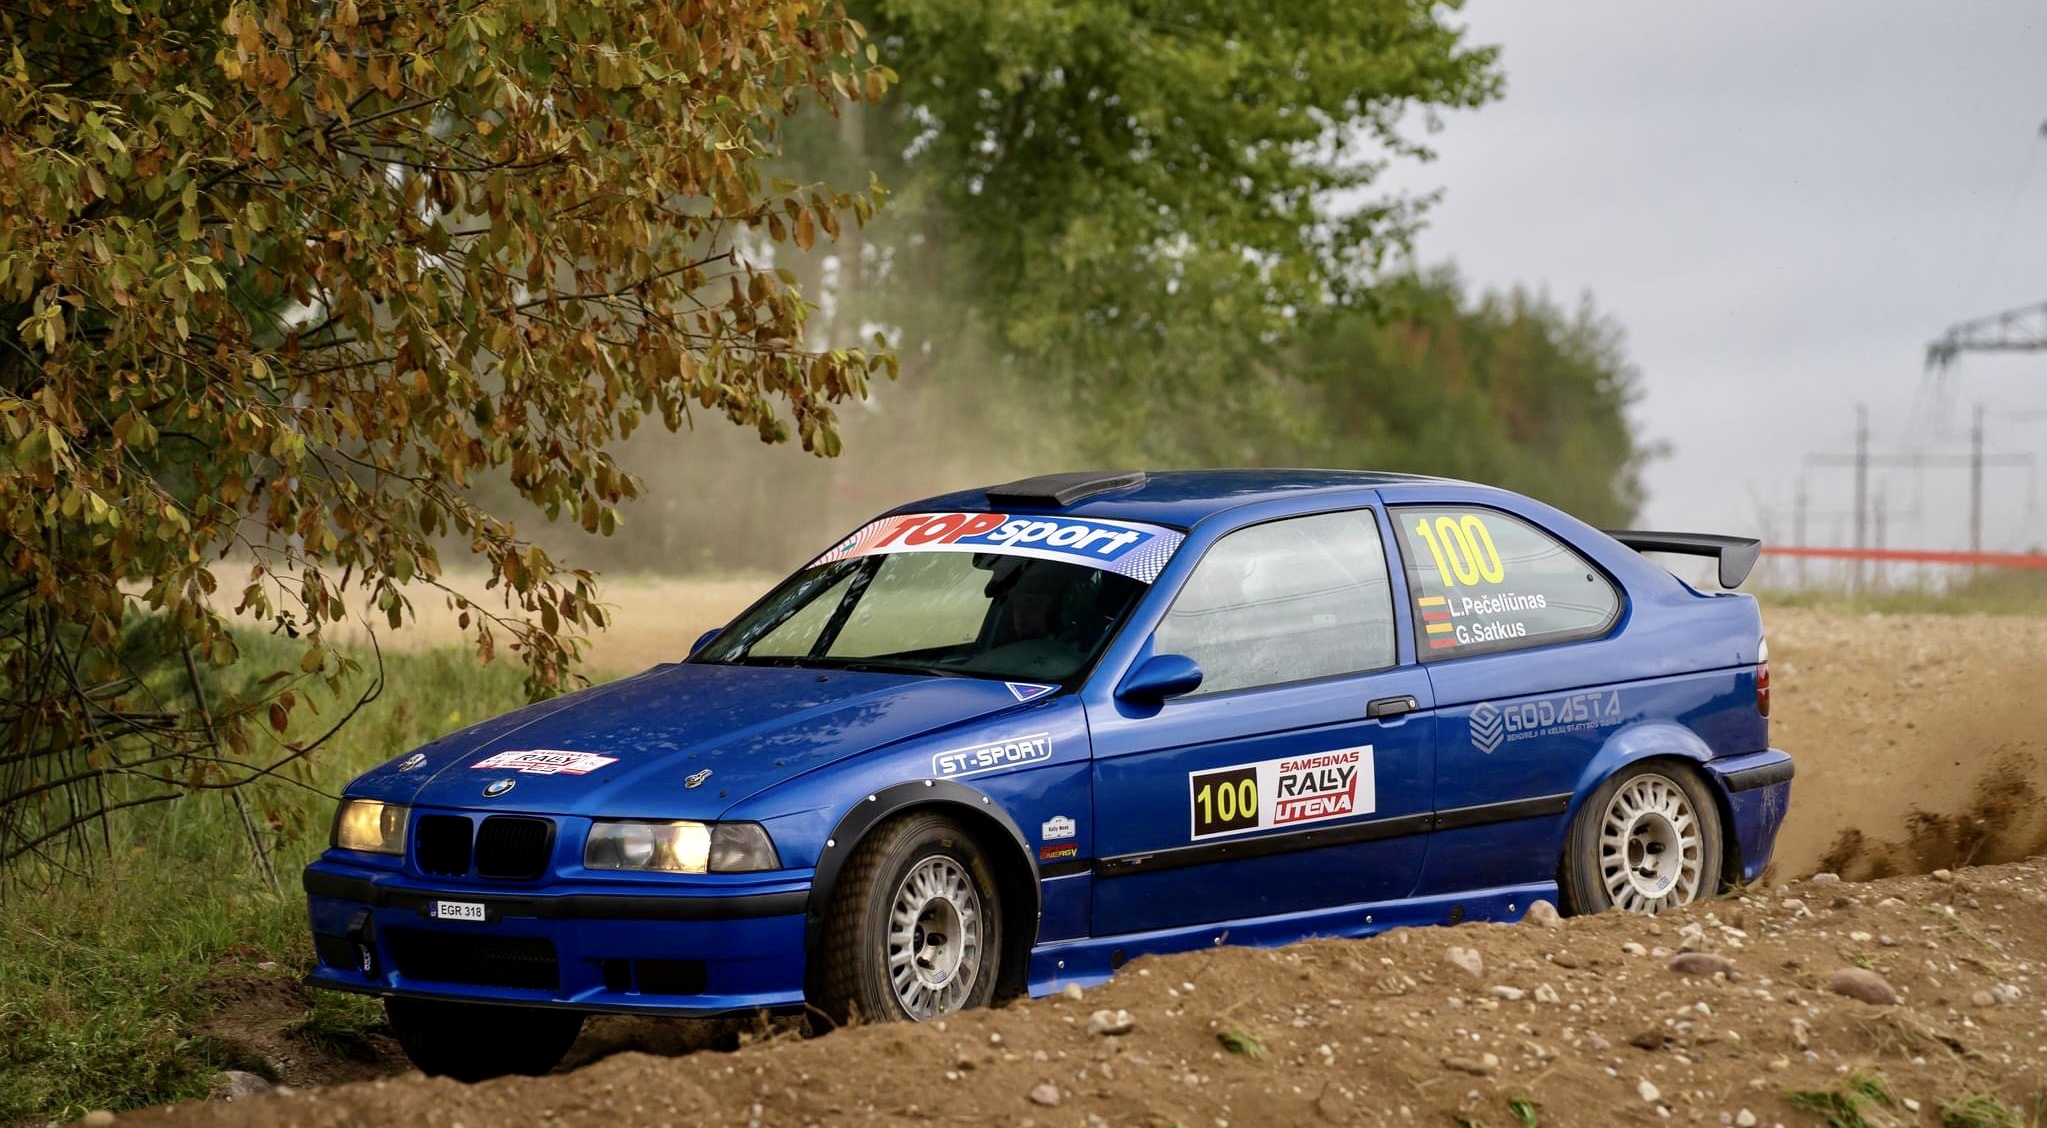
(1392, 706)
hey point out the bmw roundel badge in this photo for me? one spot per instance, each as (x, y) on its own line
(497, 787)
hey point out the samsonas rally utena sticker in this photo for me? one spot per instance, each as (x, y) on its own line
(1273, 794)
(545, 761)
(1123, 547)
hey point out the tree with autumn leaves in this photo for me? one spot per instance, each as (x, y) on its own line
(312, 295)
(280, 281)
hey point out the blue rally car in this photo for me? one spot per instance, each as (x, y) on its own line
(1003, 740)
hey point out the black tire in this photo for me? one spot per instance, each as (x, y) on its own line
(850, 969)
(475, 1042)
(1632, 858)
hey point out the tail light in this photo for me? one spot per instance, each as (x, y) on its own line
(1763, 677)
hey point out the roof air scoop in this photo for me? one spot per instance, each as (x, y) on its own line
(1057, 491)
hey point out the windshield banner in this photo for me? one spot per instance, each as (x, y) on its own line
(1123, 547)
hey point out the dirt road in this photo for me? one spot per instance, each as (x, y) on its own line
(1589, 1023)
(1921, 740)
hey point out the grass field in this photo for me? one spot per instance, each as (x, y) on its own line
(107, 982)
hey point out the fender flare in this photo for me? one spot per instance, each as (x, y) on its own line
(1647, 740)
(978, 812)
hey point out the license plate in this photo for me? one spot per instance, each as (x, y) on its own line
(456, 910)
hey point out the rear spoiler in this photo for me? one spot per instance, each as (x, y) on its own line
(1736, 554)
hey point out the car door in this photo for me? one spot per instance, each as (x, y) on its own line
(1507, 616)
(1271, 788)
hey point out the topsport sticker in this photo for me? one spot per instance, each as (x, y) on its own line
(1289, 791)
(545, 761)
(1123, 547)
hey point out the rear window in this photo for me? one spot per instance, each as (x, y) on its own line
(1483, 581)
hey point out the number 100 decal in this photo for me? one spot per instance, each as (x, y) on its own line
(1289, 791)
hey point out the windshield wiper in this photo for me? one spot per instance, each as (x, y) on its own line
(856, 665)
(897, 668)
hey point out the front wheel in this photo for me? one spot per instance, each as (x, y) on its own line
(914, 931)
(475, 1042)
(1646, 841)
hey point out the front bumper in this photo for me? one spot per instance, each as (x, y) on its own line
(643, 948)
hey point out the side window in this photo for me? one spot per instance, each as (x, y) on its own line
(1483, 581)
(1285, 601)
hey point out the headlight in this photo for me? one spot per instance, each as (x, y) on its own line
(365, 824)
(680, 847)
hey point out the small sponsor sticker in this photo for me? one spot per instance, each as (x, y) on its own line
(1058, 853)
(412, 762)
(1029, 691)
(1058, 826)
(1289, 791)
(1495, 725)
(545, 761)
(1015, 753)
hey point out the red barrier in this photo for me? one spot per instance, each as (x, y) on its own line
(1916, 556)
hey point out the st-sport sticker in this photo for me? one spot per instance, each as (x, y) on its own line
(545, 761)
(988, 757)
(1123, 547)
(1289, 791)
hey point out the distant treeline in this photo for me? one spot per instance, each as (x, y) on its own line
(1510, 389)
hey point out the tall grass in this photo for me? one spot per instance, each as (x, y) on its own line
(107, 978)
(1990, 592)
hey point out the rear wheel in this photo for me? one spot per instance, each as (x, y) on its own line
(473, 1042)
(1647, 840)
(915, 928)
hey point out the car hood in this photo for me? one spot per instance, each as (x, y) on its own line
(749, 727)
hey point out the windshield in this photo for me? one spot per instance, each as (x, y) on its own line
(970, 594)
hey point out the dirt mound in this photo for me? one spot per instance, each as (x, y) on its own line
(1921, 740)
(1584, 1024)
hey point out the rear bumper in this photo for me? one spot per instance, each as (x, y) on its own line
(644, 949)
(1758, 791)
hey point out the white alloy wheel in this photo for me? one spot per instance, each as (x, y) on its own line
(934, 938)
(1651, 850)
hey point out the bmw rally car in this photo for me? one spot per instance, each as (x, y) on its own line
(1003, 740)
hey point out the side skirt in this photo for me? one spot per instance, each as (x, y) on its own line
(1093, 960)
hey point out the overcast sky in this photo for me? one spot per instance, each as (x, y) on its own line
(1782, 203)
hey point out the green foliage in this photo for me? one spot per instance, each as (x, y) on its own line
(1238, 1042)
(1509, 390)
(106, 982)
(1526, 1112)
(1844, 1107)
(1978, 1110)
(1142, 204)
(284, 279)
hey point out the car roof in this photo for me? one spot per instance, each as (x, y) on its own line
(1162, 497)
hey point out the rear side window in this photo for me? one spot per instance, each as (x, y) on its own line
(1286, 601)
(1483, 581)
